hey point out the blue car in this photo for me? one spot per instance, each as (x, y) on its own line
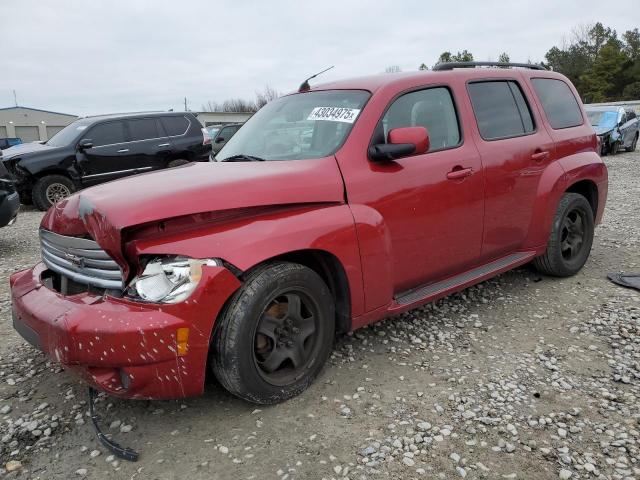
(9, 142)
(617, 128)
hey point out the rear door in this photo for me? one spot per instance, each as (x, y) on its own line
(109, 157)
(515, 149)
(150, 148)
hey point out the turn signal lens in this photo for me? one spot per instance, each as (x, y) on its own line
(182, 339)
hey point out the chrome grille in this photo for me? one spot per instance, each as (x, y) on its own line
(80, 259)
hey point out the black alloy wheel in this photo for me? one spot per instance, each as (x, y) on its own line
(275, 334)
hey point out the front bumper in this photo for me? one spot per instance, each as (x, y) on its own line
(125, 348)
(9, 207)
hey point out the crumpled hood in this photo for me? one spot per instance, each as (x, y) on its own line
(25, 148)
(602, 130)
(105, 210)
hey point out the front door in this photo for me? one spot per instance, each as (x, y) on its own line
(433, 217)
(108, 158)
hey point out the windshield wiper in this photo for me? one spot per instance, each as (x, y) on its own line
(243, 158)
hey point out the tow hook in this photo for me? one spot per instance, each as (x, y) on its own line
(124, 453)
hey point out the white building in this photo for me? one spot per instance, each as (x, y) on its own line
(222, 118)
(32, 124)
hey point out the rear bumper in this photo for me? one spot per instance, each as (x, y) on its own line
(125, 348)
(9, 206)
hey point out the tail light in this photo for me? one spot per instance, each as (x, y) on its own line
(206, 139)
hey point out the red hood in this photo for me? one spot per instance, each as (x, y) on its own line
(103, 211)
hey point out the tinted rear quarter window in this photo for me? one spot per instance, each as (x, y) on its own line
(143, 129)
(558, 102)
(107, 133)
(500, 109)
(175, 125)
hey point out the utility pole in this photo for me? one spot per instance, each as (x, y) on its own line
(186, 109)
(15, 99)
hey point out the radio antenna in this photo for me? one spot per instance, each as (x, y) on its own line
(305, 87)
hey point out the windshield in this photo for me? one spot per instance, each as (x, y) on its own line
(68, 134)
(601, 118)
(298, 127)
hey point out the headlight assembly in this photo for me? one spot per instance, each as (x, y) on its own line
(168, 279)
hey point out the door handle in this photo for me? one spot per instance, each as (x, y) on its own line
(540, 155)
(164, 145)
(124, 150)
(459, 173)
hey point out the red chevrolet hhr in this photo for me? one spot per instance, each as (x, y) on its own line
(330, 209)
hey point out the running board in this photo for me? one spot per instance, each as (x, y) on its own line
(463, 280)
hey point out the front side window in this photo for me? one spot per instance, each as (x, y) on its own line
(107, 134)
(433, 109)
(298, 127)
(143, 129)
(558, 102)
(500, 109)
(226, 133)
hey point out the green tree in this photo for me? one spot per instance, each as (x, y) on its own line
(423, 67)
(463, 56)
(445, 57)
(504, 57)
(602, 82)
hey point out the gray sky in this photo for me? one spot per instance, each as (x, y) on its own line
(92, 56)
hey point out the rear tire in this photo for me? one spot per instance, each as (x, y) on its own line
(570, 239)
(177, 163)
(51, 189)
(276, 333)
(632, 147)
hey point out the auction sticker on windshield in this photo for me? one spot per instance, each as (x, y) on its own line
(334, 114)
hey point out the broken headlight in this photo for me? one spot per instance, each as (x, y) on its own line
(169, 279)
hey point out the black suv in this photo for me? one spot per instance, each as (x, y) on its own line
(9, 201)
(97, 149)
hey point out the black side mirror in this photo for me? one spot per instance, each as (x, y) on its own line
(85, 144)
(401, 142)
(220, 139)
(390, 151)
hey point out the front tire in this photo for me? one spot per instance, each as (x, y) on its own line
(571, 238)
(634, 144)
(51, 189)
(275, 334)
(177, 163)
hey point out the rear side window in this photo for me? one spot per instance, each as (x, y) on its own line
(558, 102)
(107, 134)
(500, 109)
(431, 108)
(175, 125)
(143, 129)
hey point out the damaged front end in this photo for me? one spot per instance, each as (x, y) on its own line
(144, 335)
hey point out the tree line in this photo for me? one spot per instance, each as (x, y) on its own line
(602, 65)
(241, 104)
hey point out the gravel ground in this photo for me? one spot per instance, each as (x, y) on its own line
(523, 376)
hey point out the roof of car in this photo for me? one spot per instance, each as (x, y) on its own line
(113, 116)
(375, 82)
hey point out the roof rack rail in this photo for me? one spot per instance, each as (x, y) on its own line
(452, 65)
(141, 112)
